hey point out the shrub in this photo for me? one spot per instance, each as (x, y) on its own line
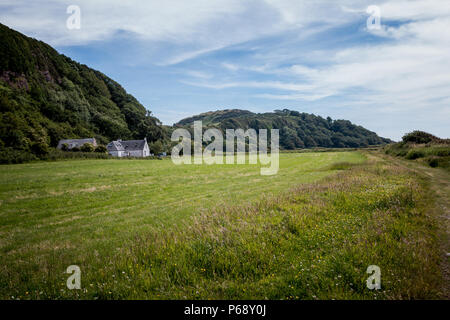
(40, 148)
(441, 162)
(419, 137)
(156, 147)
(87, 147)
(56, 154)
(75, 149)
(415, 154)
(444, 152)
(65, 147)
(433, 162)
(397, 149)
(10, 156)
(101, 149)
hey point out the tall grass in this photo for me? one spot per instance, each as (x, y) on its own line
(313, 242)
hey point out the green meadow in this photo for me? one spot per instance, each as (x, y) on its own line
(148, 229)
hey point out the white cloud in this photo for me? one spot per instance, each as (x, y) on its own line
(198, 74)
(230, 66)
(187, 55)
(252, 84)
(195, 27)
(155, 20)
(414, 10)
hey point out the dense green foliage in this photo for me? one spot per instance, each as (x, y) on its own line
(422, 137)
(297, 130)
(45, 97)
(422, 146)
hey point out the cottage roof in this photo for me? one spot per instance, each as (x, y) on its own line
(77, 142)
(114, 146)
(129, 145)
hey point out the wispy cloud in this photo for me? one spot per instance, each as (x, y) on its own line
(195, 27)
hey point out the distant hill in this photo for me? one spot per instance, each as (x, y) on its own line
(46, 96)
(297, 130)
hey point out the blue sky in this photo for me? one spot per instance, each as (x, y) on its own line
(180, 58)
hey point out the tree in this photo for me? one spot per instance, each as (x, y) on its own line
(40, 148)
(101, 149)
(156, 147)
(87, 147)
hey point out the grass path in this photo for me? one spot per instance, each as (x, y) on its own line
(439, 184)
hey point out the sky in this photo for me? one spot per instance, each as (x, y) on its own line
(181, 58)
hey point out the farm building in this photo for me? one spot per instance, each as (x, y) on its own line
(78, 143)
(129, 148)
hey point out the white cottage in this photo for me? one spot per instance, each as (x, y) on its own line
(129, 148)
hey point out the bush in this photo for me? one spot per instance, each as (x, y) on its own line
(65, 147)
(40, 148)
(101, 149)
(442, 152)
(433, 162)
(75, 149)
(441, 162)
(10, 156)
(56, 154)
(415, 154)
(87, 147)
(419, 137)
(156, 147)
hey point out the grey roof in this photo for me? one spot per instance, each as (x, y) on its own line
(129, 145)
(76, 142)
(114, 146)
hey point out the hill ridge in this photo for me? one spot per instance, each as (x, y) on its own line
(297, 130)
(46, 96)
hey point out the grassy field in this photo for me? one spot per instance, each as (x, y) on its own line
(150, 229)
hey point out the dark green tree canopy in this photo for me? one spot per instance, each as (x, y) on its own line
(46, 96)
(297, 130)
